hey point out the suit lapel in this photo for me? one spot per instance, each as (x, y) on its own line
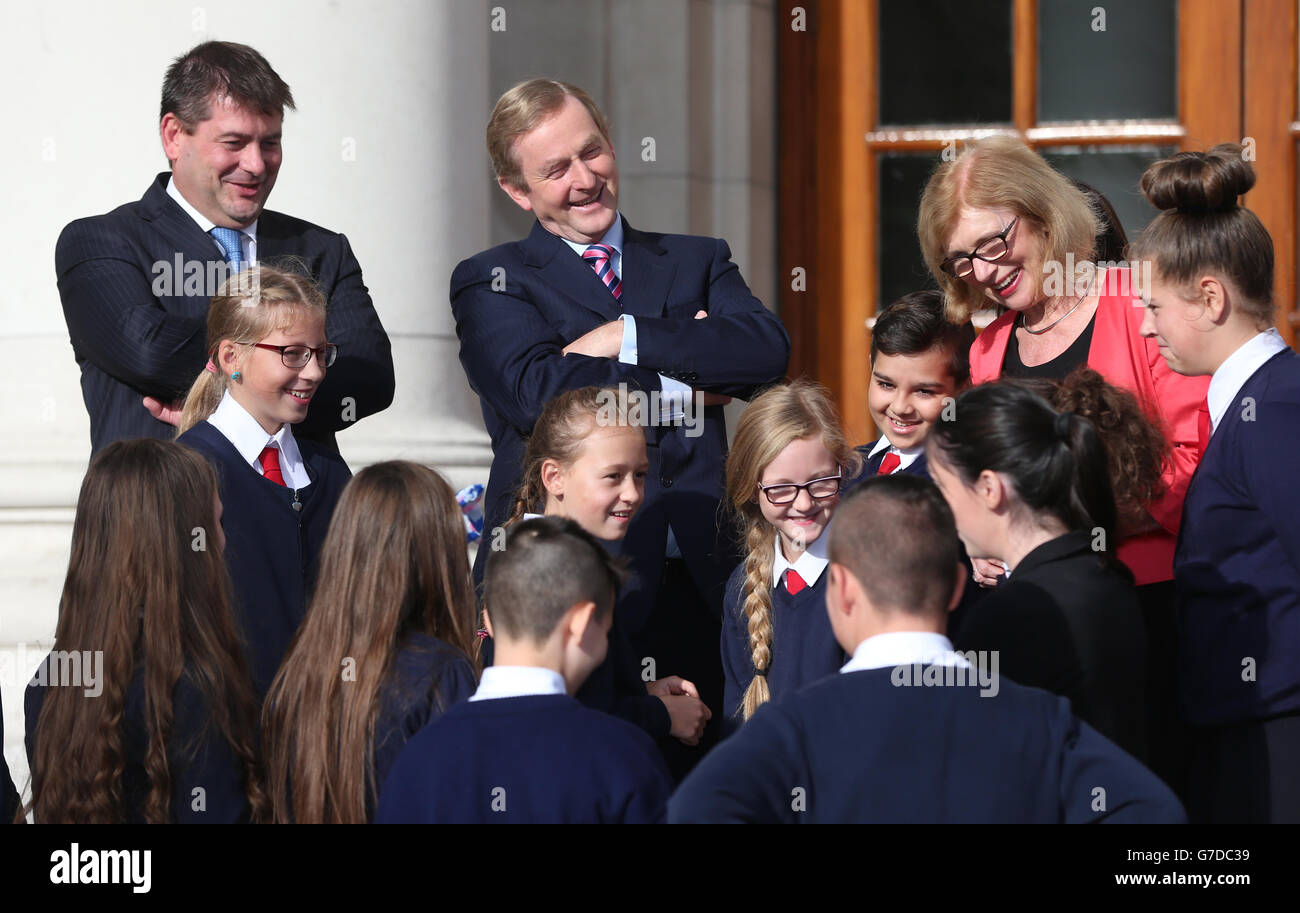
(175, 225)
(648, 274)
(561, 270)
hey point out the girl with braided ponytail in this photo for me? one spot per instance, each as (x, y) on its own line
(784, 475)
(1031, 488)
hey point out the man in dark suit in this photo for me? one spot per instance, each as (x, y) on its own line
(588, 299)
(909, 730)
(135, 282)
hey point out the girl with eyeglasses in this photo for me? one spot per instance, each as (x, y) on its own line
(267, 355)
(784, 474)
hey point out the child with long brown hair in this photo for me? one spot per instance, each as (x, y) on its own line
(267, 357)
(784, 475)
(385, 647)
(586, 462)
(144, 711)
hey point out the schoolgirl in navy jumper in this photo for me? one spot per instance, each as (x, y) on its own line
(784, 474)
(1237, 563)
(267, 354)
(522, 750)
(1029, 487)
(144, 711)
(385, 647)
(585, 462)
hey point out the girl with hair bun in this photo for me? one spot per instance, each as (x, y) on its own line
(1237, 567)
(788, 463)
(1030, 486)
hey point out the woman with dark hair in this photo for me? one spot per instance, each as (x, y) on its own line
(1032, 486)
(1237, 568)
(144, 712)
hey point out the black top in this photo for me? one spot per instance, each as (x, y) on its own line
(1068, 621)
(8, 794)
(1056, 369)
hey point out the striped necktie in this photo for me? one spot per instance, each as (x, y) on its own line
(598, 255)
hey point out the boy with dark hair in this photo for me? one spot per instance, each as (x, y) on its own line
(910, 731)
(920, 360)
(522, 749)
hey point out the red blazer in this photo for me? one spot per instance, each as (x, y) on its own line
(1127, 360)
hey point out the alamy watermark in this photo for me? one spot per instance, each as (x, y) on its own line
(640, 409)
(55, 668)
(952, 669)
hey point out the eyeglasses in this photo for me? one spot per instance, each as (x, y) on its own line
(990, 251)
(787, 492)
(298, 356)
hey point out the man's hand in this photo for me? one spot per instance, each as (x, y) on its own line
(603, 342)
(673, 684)
(171, 414)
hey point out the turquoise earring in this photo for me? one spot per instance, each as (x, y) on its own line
(236, 377)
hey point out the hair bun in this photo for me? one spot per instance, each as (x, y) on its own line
(1061, 426)
(1196, 183)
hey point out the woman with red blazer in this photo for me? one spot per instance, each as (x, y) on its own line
(1000, 227)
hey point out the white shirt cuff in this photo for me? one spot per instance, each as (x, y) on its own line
(627, 354)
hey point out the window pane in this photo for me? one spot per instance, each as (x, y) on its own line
(1114, 171)
(945, 62)
(902, 270)
(1106, 62)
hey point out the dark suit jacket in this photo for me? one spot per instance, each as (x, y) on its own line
(1069, 622)
(511, 343)
(132, 343)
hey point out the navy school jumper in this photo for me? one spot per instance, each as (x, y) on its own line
(536, 759)
(859, 747)
(197, 756)
(271, 548)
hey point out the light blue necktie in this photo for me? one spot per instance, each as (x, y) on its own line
(231, 243)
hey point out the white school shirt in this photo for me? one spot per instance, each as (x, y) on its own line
(809, 565)
(904, 648)
(518, 681)
(905, 457)
(1236, 369)
(247, 236)
(250, 438)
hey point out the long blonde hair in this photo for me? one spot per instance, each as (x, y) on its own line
(774, 419)
(247, 308)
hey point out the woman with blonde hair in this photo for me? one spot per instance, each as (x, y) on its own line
(784, 475)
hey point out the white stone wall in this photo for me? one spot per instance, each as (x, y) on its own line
(386, 146)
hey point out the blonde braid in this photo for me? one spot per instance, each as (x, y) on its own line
(757, 610)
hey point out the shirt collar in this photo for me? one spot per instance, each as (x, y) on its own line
(905, 457)
(902, 648)
(203, 221)
(1237, 368)
(250, 439)
(613, 237)
(518, 681)
(809, 565)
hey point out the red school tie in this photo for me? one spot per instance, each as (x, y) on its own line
(888, 464)
(270, 460)
(1203, 427)
(793, 582)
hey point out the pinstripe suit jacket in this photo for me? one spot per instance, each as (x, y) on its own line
(136, 334)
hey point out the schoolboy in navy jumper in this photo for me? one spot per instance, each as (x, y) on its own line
(522, 750)
(267, 357)
(876, 745)
(783, 482)
(1237, 563)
